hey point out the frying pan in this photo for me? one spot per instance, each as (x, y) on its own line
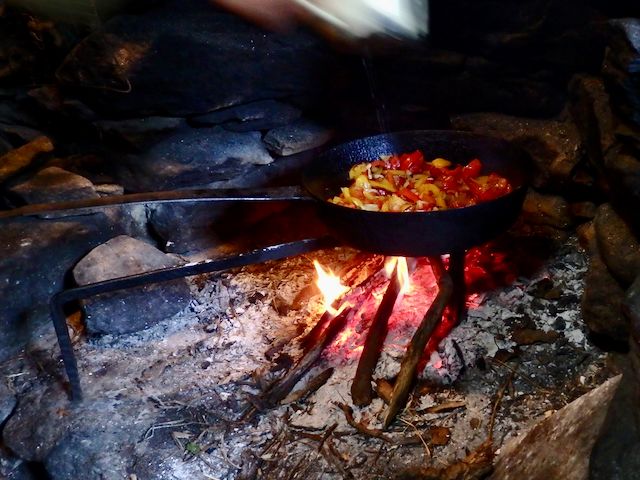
(419, 233)
(412, 234)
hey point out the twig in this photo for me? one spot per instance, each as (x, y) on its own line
(426, 447)
(444, 407)
(371, 432)
(314, 384)
(332, 455)
(521, 376)
(361, 391)
(326, 435)
(415, 350)
(496, 404)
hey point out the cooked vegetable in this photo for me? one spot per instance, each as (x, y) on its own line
(408, 183)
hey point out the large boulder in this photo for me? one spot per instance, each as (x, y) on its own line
(621, 67)
(133, 309)
(559, 445)
(16, 161)
(554, 146)
(103, 444)
(617, 244)
(622, 165)
(261, 115)
(37, 254)
(185, 58)
(602, 302)
(194, 157)
(591, 111)
(53, 184)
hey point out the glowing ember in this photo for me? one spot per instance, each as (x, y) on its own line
(330, 287)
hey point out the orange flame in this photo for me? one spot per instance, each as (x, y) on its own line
(330, 287)
(402, 271)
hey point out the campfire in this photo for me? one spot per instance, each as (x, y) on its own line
(337, 326)
(238, 254)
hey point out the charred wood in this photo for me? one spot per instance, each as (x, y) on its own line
(362, 269)
(416, 347)
(361, 390)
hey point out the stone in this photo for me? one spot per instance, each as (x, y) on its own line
(17, 160)
(591, 111)
(582, 211)
(38, 423)
(133, 309)
(13, 113)
(296, 138)
(186, 58)
(601, 302)
(51, 99)
(554, 146)
(5, 146)
(194, 157)
(558, 446)
(550, 210)
(12, 468)
(37, 254)
(623, 168)
(19, 132)
(109, 189)
(616, 453)
(53, 184)
(261, 115)
(7, 402)
(99, 164)
(103, 446)
(138, 133)
(631, 307)
(617, 244)
(620, 68)
(468, 82)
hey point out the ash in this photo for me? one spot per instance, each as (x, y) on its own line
(202, 372)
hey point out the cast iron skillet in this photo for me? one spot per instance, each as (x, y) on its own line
(419, 233)
(409, 234)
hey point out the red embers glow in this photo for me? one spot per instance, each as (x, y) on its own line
(485, 269)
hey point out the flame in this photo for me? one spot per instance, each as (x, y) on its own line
(330, 287)
(402, 272)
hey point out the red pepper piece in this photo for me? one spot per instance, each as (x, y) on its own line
(408, 195)
(472, 169)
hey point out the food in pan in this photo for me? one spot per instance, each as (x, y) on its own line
(409, 183)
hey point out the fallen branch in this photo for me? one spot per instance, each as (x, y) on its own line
(444, 407)
(361, 391)
(416, 347)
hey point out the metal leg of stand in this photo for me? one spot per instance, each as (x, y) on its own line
(458, 297)
(58, 301)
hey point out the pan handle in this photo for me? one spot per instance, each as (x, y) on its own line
(76, 207)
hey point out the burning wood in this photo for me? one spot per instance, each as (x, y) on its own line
(416, 347)
(364, 268)
(361, 390)
(319, 338)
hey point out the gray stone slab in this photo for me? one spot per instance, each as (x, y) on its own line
(134, 309)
